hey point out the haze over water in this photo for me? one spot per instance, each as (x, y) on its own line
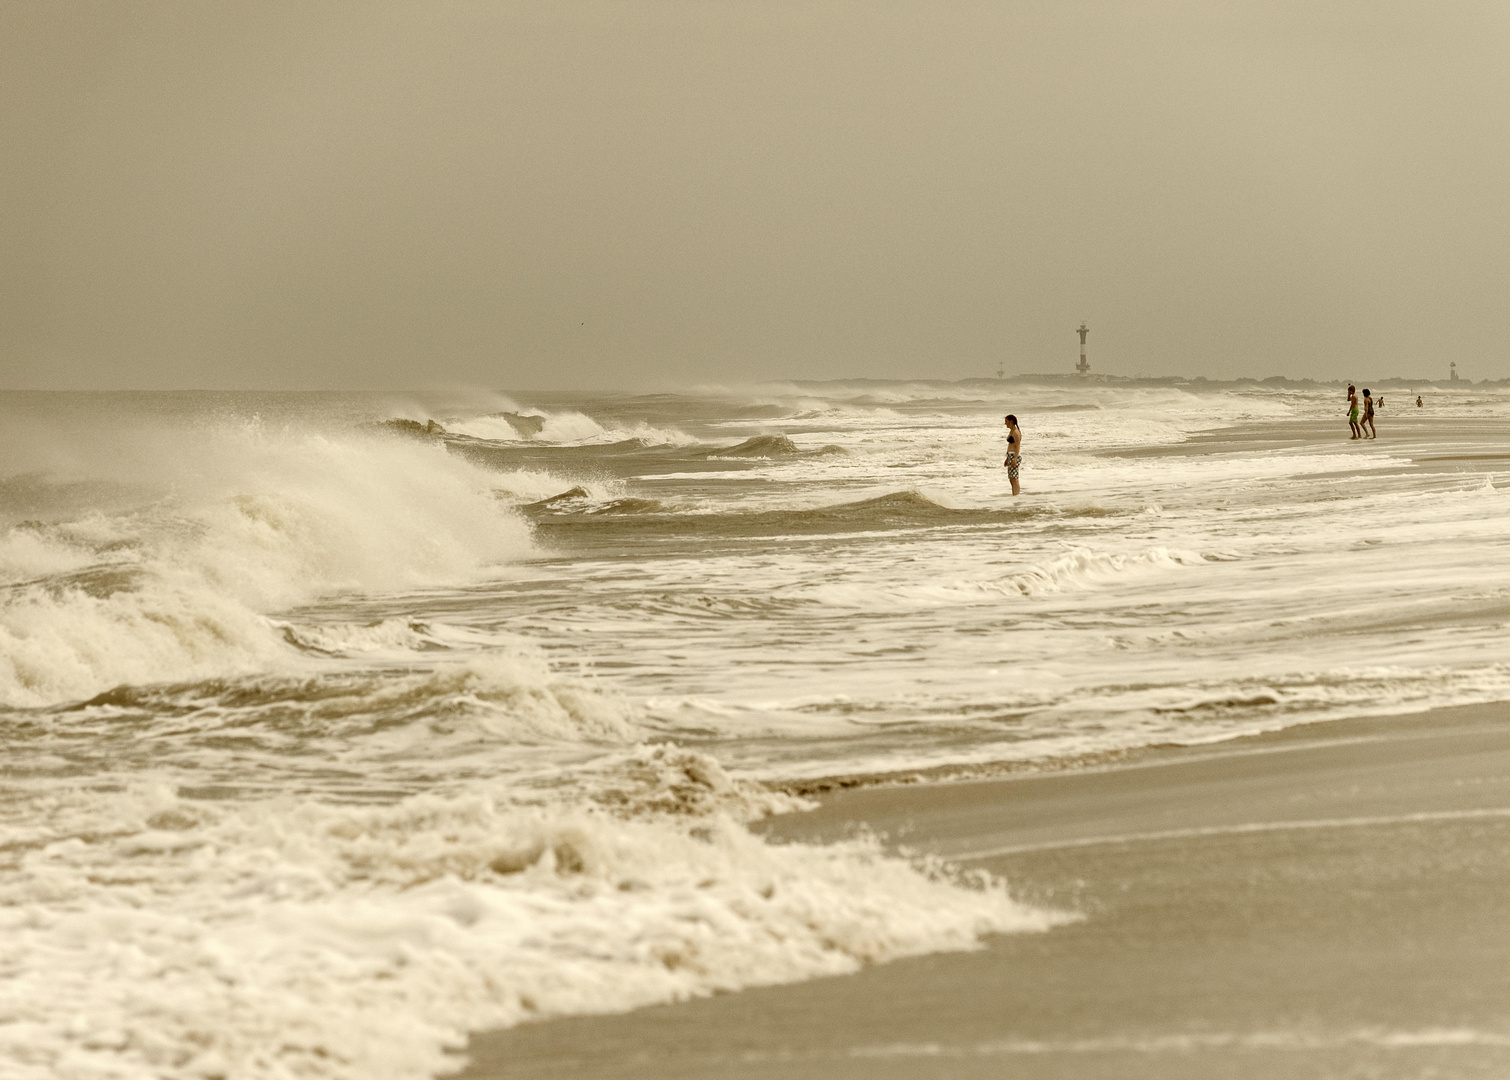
(598, 194)
(331, 736)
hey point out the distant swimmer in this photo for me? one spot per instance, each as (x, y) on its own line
(1014, 453)
(1418, 401)
(1352, 411)
(1368, 417)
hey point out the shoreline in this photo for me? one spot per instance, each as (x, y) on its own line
(1321, 900)
(1344, 728)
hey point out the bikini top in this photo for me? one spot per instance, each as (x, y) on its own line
(1011, 439)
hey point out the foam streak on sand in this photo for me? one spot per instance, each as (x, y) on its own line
(1185, 1044)
(981, 854)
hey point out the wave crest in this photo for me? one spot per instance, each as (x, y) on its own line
(1084, 568)
(244, 523)
(580, 500)
(759, 446)
(565, 428)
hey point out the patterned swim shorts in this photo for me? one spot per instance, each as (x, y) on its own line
(1013, 463)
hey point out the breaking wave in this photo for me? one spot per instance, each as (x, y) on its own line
(236, 523)
(565, 428)
(578, 510)
(579, 500)
(759, 446)
(1083, 568)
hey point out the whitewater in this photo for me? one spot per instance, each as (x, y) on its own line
(340, 725)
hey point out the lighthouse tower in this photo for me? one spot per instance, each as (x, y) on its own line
(1084, 366)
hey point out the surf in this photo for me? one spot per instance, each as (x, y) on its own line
(218, 527)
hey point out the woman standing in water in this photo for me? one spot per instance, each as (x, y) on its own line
(1014, 453)
(1368, 417)
(1352, 411)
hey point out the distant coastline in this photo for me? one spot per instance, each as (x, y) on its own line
(270, 398)
(1282, 382)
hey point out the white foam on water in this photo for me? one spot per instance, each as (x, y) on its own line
(26, 554)
(246, 522)
(563, 428)
(149, 936)
(1079, 568)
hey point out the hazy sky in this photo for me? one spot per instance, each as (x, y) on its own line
(558, 194)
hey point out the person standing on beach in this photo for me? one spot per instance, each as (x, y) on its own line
(1368, 416)
(1352, 411)
(1014, 453)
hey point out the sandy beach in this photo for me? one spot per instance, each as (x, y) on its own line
(1325, 901)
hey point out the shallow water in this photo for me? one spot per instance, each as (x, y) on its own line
(329, 737)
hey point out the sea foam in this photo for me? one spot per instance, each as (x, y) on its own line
(242, 522)
(290, 938)
(560, 427)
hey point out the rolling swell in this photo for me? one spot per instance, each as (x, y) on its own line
(759, 446)
(579, 500)
(629, 457)
(895, 508)
(558, 518)
(771, 446)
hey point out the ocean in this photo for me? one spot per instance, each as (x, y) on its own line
(337, 726)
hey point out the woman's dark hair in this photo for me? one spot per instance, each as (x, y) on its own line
(1011, 419)
(1365, 393)
(1351, 388)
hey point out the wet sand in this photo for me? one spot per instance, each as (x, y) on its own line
(1329, 901)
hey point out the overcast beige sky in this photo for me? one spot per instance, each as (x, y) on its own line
(558, 194)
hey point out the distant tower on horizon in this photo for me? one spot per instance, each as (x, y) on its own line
(1452, 371)
(1084, 366)
(1001, 370)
